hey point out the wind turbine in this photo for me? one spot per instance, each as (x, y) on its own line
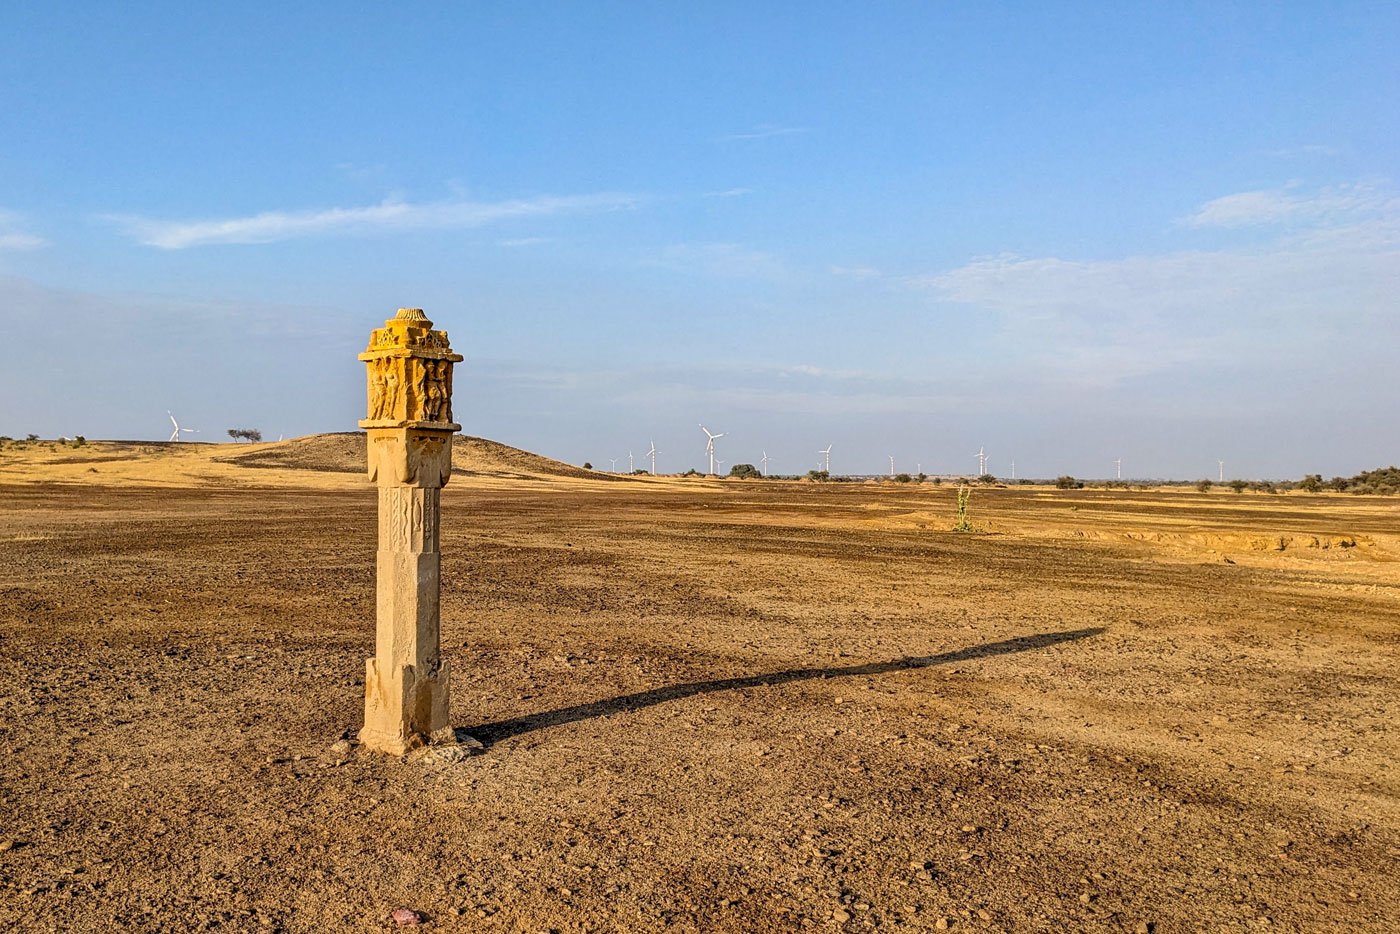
(764, 462)
(1222, 471)
(710, 445)
(175, 435)
(982, 461)
(891, 465)
(652, 455)
(630, 468)
(1013, 470)
(614, 464)
(718, 464)
(826, 459)
(1118, 465)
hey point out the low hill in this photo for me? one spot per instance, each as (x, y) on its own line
(344, 452)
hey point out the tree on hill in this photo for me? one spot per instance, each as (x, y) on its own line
(245, 434)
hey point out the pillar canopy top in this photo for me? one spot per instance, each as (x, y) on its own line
(409, 372)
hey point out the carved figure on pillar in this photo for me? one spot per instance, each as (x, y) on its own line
(409, 429)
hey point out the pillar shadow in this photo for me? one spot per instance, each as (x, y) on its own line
(489, 733)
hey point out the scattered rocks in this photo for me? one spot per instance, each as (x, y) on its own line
(943, 924)
(6, 845)
(451, 753)
(406, 917)
(840, 916)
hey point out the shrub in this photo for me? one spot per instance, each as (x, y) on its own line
(692, 472)
(31, 437)
(903, 478)
(921, 477)
(1067, 482)
(587, 465)
(745, 472)
(1204, 486)
(987, 478)
(963, 524)
(1312, 483)
(1238, 486)
(818, 475)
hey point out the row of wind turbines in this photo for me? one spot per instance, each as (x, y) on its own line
(824, 465)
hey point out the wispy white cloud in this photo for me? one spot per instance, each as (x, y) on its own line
(14, 236)
(1305, 150)
(728, 193)
(387, 216)
(523, 241)
(1290, 205)
(719, 259)
(1322, 289)
(766, 130)
(856, 272)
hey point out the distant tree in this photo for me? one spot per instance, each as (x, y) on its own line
(1263, 486)
(1312, 483)
(1204, 486)
(79, 441)
(1340, 484)
(587, 465)
(745, 472)
(937, 481)
(1067, 482)
(640, 471)
(818, 475)
(245, 434)
(31, 437)
(1239, 486)
(903, 478)
(921, 477)
(692, 472)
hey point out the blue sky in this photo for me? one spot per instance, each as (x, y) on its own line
(1071, 233)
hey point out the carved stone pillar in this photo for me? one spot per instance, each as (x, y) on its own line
(409, 429)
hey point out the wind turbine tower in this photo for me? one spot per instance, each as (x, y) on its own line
(710, 445)
(652, 455)
(630, 467)
(982, 461)
(1118, 466)
(826, 459)
(1222, 471)
(891, 465)
(614, 464)
(764, 462)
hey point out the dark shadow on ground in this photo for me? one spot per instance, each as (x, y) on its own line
(489, 733)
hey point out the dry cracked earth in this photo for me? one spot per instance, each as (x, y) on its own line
(706, 706)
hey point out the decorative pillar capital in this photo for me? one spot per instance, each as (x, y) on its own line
(410, 375)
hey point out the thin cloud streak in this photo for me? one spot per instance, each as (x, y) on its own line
(387, 216)
(14, 237)
(766, 131)
(1289, 206)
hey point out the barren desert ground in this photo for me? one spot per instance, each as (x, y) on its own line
(707, 705)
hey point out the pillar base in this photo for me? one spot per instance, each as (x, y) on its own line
(404, 709)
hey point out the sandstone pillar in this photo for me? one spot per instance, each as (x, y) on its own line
(409, 428)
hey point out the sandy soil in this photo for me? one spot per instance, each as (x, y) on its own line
(707, 705)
